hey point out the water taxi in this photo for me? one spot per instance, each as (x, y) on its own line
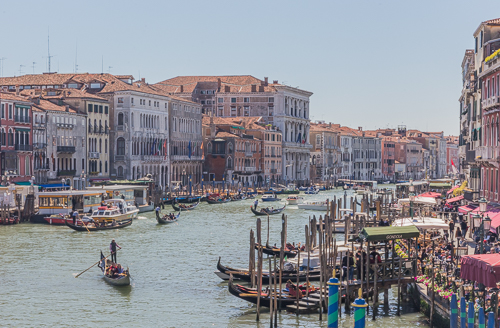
(135, 194)
(269, 198)
(313, 205)
(64, 203)
(294, 200)
(115, 209)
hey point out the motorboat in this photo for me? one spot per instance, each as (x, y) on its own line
(313, 205)
(269, 198)
(114, 210)
(312, 191)
(294, 200)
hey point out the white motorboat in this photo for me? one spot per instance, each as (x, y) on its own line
(115, 210)
(269, 198)
(313, 205)
(294, 200)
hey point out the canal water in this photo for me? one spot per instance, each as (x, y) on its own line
(173, 284)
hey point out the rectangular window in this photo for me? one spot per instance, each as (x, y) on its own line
(271, 99)
(246, 111)
(10, 112)
(246, 100)
(90, 108)
(203, 102)
(475, 45)
(100, 109)
(271, 110)
(95, 85)
(120, 100)
(233, 111)
(3, 110)
(209, 102)
(105, 109)
(220, 100)
(233, 100)
(72, 85)
(221, 111)
(132, 101)
(96, 108)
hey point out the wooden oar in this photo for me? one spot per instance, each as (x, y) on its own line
(93, 265)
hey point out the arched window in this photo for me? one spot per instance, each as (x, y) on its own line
(120, 118)
(132, 119)
(229, 163)
(120, 146)
(100, 145)
(209, 148)
(230, 148)
(120, 171)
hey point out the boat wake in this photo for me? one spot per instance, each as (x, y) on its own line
(141, 218)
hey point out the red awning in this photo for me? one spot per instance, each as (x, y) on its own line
(451, 190)
(430, 194)
(483, 268)
(495, 221)
(466, 209)
(455, 199)
(489, 209)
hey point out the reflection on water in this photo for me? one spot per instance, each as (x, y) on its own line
(173, 284)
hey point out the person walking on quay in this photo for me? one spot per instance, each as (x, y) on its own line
(464, 227)
(452, 228)
(112, 248)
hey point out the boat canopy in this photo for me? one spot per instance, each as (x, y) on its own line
(389, 233)
(418, 201)
(425, 223)
(482, 268)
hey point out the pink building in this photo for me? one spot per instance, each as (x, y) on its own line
(452, 154)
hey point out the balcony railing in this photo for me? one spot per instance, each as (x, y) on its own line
(273, 171)
(66, 149)
(66, 173)
(490, 102)
(120, 128)
(22, 119)
(119, 157)
(23, 147)
(65, 125)
(39, 145)
(248, 154)
(42, 167)
(93, 154)
(249, 169)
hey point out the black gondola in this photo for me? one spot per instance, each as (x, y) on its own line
(177, 207)
(244, 275)
(266, 211)
(275, 251)
(165, 219)
(92, 227)
(221, 201)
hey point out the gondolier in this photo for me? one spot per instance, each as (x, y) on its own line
(112, 248)
(75, 216)
(157, 210)
(255, 204)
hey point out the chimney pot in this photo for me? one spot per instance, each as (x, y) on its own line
(67, 108)
(143, 80)
(182, 88)
(360, 128)
(275, 81)
(218, 84)
(266, 81)
(17, 90)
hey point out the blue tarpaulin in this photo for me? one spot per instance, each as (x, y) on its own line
(55, 185)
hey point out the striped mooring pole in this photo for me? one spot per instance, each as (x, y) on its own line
(491, 320)
(463, 313)
(470, 315)
(333, 303)
(454, 312)
(359, 311)
(481, 319)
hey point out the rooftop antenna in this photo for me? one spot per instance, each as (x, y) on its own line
(1, 65)
(33, 66)
(102, 64)
(21, 69)
(76, 58)
(109, 69)
(48, 46)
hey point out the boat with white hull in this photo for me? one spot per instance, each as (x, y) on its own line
(313, 205)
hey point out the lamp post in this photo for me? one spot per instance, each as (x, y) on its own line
(412, 197)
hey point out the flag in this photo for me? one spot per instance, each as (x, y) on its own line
(189, 149)
(299, 138)
(202, 154)
(152, 148)
(159, 147)
(194, 149)
(165, 148)
(453, 167)
(304, 138)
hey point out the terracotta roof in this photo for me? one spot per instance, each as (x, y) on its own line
(224, 134)
(492, 21)
(229, 79)
(47, 105)
(61, 94)
(183, 99)
(37, 79)
(13, 97)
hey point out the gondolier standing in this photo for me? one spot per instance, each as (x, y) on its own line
(112, 248)
(157, 210)
(75, 217)
(255, 204)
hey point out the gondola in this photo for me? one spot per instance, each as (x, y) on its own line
(165, 219)
(275, 251)
(251, 295)
(120, 280)
(265, 211)
(179, 208)
(92, 227)
(221, 201)
(314, 275)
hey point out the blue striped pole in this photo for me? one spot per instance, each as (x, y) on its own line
(482, 323)
(333, 303)
(491, 320)
(454, 312)
(463, 313)
(470, 315)
(359, 311)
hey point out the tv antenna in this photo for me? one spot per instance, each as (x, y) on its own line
(76, 58)
(33, 66)
(48, 47)
(1, 65)
(109, 69)
(21, 69)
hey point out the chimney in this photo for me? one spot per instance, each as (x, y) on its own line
(275, 81)
(182, 88)
(254, 88)
(330, 124)
(360, 128)
(143, 80)
(67, 108)
(17, 90)
(218, 84)
(266, 81)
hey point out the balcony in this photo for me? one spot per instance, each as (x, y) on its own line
(39, 145)
(22, 119)
(490, 102)
(66, 149)
(274, 171)
(120, 128)
(119, 157)
(93, 154)
(488, 156)
(248, 153)
(249, 169)
(66, 173)
(42, 167)
(296, 144)
(23, 147)
(65, 125)
(154, 158)
(38, 125)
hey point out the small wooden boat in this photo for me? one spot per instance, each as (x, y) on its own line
(102, 226)
(275, 251)
(165, 219)
(267, 211)
(218, 201)
(56, 219)
(116, 280)
(181, 207)
(9, 220)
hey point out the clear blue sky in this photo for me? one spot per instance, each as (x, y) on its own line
(369, 63)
